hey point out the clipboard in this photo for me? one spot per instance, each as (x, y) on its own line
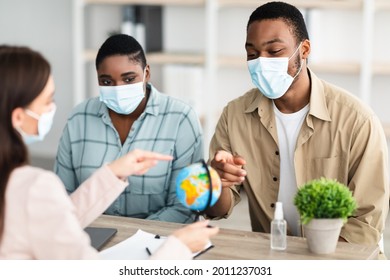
(100, 236)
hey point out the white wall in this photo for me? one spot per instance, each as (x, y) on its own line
(44, 25)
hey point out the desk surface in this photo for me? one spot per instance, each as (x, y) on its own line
(236, 244)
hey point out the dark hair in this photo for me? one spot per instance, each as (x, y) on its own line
(23, 75)
(286, 12)
(121, 44)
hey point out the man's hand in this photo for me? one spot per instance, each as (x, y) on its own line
(229, 168)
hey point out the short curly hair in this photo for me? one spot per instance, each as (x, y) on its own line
(121, 44)
(284, 11)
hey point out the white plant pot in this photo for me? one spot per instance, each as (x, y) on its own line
(322, 235)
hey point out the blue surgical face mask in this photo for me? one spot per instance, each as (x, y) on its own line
(45, 122)
(123, 99)
(270, 76)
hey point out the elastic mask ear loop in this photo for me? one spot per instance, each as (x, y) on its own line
(300, 68)
(143, 81)
(144, 76)
(32, 114)
(295, 51)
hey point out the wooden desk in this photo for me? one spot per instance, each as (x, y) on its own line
(236, 244)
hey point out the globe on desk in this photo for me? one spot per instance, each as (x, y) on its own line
(193, 188)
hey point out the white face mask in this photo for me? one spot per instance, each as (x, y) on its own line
(45, 122)
(123, 99)
(270, 76)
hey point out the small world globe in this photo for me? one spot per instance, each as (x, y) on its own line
(192, 187)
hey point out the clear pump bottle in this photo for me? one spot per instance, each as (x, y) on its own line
(278, 229)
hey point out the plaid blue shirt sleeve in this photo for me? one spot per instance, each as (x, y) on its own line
(167, 126)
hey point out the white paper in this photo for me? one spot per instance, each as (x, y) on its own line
(134, 247)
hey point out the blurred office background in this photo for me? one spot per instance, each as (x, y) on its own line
(196, 52)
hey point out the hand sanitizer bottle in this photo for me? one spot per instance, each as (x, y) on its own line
(278, 229)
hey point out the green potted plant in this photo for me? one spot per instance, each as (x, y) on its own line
(324, 206)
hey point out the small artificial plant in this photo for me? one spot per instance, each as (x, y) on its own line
(324, 199)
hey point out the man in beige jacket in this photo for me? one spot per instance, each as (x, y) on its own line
(294, 127)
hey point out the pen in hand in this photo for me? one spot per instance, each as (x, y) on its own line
(148, 251)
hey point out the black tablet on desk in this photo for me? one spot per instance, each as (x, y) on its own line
(100, 236)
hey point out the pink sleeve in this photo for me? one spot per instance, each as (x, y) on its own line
(53, 227)
(96, 194)
(172, 249)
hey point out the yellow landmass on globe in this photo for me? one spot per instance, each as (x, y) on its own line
(192, 192)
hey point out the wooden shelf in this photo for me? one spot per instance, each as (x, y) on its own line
(381, 68)
(240, 62)
(306, 4)
(382, 5)
(334, 67)
(161, 58)
(232, 61)
(386, 128)
(323, 67)
(148, 2)
(90, 55)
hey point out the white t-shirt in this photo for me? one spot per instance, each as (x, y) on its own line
(288, 127)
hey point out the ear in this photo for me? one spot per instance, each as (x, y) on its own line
(305, 49)
(147, 74)
(17, 117)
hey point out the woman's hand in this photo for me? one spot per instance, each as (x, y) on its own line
(196, 235)
(136, 162)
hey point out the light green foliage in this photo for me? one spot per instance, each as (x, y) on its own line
(324, 198)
